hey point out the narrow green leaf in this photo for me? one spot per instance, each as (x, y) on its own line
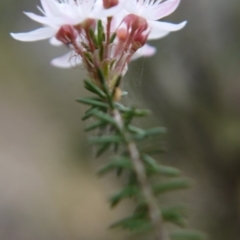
(134, 223)
(121, 108)
(138, 137)
(174, 184)
(168, 171)
(91, 109)
(156, 130)
(89, 113)
(105, 117)
(118, 81)
(146, 133)
(101, 78)
(119, 162)
(92, 102)
(103, 36)
(112, 62)
(127, 192)
(188, 235)
(100, 32)
(137, 130)
(95, 125)
(95, 89)
(132, 111)
(105, 87)
(106, 139)
(93, 37)
(154, 167)
(174, 215)
(141, 112)
(103, 149)
(88, 57)
(112, 38)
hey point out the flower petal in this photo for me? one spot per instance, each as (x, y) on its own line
(100, 12)
(66, 61)
(131, 6)
(158, 11)
(50, 7)
(38, 34)
(165, 26)
(145, 51)
(37, 18)
(53, 41)
(157, 34)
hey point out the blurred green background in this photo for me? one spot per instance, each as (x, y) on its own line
(48, 186)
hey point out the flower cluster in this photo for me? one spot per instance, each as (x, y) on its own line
(102, 34)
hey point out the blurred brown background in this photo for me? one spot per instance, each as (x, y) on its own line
(48, 186)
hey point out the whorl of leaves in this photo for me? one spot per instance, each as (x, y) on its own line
(109, 136)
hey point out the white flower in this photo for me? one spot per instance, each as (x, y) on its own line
(70, 22)
(57, 13)
(153, 10)
(68, 60)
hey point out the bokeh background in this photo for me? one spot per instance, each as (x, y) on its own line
(48, 186)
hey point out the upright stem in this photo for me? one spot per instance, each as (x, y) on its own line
(154, 211)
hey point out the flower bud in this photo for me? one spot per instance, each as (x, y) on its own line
(67, 34)
(117, 94)
(109, 3)
(139, 40)
(135, 22)
(122, 34)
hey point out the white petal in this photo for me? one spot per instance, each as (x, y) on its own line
(165, 26)
(38, 34)
(162, 10)
(156, 34)
(41, 10)
(101, 12)
(66, 61)
(37, 18)
(131, 6)
(145, 51)
(86, 7)
(55, 42)
(50, 7)
(45, 7)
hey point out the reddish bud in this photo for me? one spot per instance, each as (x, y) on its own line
(135, 22)
(141, 39)
(122, 34)
(110, 3)
(140, 36)
(67, 34)
(138, 41)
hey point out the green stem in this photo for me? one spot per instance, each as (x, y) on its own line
(115, 129)
(153, 208)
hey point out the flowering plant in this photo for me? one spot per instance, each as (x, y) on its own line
(125, 27)
(104, 36)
